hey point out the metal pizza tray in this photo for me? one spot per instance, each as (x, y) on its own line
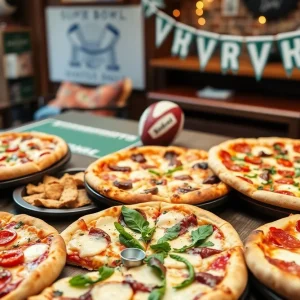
(36, 176)
(51, 212)
(264, 291)
(266, 209)
(106, 201)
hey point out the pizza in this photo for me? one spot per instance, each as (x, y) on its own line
(190, 254)
(273, 255)
(24, 153)
(265, 169)
(32, 255)
(153, 173)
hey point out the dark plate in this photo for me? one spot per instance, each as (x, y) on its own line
(36, 176)
(105, 201)
(264, 291)
(51, 212)
(267, 209)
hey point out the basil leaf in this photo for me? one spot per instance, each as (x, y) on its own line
(191, 271)
(297, 173)
(260, 187)
(161, 247)
(235, 158)
(84, 280)
(157, 294)
(126, 238)
(154, 172)
(277, 147)
(296, 184)
(171, 234)
(147, 233)
(271, 170)
(251, 176)
(171, 171)
(160, 256)
(158, 267)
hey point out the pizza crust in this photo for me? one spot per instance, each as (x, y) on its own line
(276, 279)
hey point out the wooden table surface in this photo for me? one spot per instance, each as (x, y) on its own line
(242, 219)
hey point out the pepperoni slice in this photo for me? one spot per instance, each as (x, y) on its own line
(220, 263)
(285, 193)
(7, 236)
(255, 160)
(11, 258)
(203, 252)
(286, 173)
(284, 162)
(245, 179)
(186, 222)
(13, 149)
(241, 147)
(21, 154)
(281, 238)
(2, 158)
(97, 232)
(5, 278)
(297, 148)
(208, 279)
(225, 155)
(237, 168)
(290, 267)
(298, 226)
(285, 180)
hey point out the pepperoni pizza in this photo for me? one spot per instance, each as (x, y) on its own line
(273, 255)
(32, 255)
(190, 253)
(24, 153)
(152, 173)
(265, 169)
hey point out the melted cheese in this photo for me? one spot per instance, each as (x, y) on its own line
(218, 242)
(191, 292)
(287, 187)
(111, 291)
(35, 251)
(286, 255)
(138, 175)
(67, 290)
(107, 224)
(257, 149)
(195, 260)
(88, 245)
(169, 219)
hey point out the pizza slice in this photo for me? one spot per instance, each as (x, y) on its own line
(273, 255)
(97, 240)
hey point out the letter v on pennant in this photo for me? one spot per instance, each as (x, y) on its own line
(163, 26)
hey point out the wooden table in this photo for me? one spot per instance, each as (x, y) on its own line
(244, 221)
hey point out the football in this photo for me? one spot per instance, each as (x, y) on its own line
(161, 123)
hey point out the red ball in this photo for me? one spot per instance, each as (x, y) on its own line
(161, 123)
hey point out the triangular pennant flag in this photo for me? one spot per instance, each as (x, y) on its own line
(182, 39)
(289, 48)
(159, 3)
(206, 44)
(259, 49)
(163, 26)
(231, 47)
(149, 8)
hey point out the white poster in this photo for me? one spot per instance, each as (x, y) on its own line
(96, 45)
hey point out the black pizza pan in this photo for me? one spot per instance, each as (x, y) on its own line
(20, 192)
(6, 184)
(262, 290)
(266, 209)
(106, 201)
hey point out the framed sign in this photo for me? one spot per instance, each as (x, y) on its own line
(96, 44)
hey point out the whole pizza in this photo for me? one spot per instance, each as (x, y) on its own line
(32, 255)
(24, 153)
(190, 254)
(265, 169)
(142, 174)
(273, 256)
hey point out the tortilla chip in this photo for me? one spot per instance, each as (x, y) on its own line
(82, 199)
(35, 189)
(79, 179)
(51, 203)
(53, 190)
(30, 199)
(49, 179)
(70, 192)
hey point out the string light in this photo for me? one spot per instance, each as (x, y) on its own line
(199, 4)
(176, 13)
(262, 20)
(201, 21)
(199, 12)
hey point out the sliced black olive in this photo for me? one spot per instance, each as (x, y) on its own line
(186, 190)
(264, 154)
(123, 185)
(201, 165)
(211, 180)
(265, 175)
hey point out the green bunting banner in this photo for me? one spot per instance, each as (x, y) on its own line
(259, 47)
(289, 47)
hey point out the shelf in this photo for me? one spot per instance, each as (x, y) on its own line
(191, 63)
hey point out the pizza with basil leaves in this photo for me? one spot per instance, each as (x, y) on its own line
(152, 173)
(32, 255)
(265, 169)
(24, 153)
(273, 256)
(190, 253)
